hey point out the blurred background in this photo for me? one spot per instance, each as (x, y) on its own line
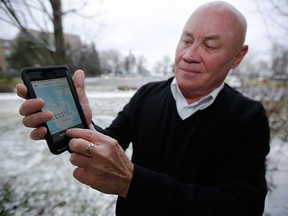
(122, 45)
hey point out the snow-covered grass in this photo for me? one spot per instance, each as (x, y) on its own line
(35, 182)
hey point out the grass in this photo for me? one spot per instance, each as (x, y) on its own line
(7, 84)
(39, 202)
(277, 112)
(277, 109)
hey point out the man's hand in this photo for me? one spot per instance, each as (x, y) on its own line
(106, 168)
(29, 109)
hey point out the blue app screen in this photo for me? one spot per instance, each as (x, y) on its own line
(59, 100)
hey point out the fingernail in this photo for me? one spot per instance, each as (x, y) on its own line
(37, 103)
(67, 131)
(48, 115)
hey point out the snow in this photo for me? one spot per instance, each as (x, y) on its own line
(35, 182)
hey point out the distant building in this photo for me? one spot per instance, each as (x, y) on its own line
(72, 43)
(5, 51)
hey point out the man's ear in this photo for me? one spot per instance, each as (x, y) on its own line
(240, 55)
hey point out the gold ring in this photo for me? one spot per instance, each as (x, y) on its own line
(89, 149)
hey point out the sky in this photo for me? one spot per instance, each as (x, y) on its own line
(152, 28)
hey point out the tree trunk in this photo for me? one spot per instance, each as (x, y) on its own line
(59, 56)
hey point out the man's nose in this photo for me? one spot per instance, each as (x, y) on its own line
(192, 54)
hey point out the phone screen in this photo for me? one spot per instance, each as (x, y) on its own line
(59, 100)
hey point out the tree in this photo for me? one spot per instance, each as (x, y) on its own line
(46, 16)
(59, 55)
(90, 61)
(129, 63)
(28, 53)
(279, 60)
(57, 52)
(140, 63)
(111, 61)
(163, 66)
(275, 17)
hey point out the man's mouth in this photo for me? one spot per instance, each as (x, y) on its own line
(190, 70)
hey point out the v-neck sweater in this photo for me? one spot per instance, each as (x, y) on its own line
(212, 163)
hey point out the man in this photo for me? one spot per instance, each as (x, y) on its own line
(199, 146)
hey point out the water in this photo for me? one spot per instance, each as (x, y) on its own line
(35, 182)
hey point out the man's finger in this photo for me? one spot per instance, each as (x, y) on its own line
(81, 146)
(22, 91)
(31, 106)
(79, 79)
(80, 160)
(86, 134)
(36, 119)
(79, 82)
(38, 133)
(81, 175)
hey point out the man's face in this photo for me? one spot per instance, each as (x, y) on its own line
(205, 53)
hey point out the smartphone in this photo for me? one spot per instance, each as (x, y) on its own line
(55, 86)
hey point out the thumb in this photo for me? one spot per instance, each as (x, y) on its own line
(79, 82)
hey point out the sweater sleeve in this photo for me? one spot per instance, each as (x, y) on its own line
(153, 193)
(239, 189)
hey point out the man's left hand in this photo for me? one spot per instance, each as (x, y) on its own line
(101, 162)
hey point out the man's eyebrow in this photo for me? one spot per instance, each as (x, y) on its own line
(187, 33)
(208, 37)
(212, 37)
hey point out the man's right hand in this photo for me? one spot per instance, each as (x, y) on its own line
(33, 119)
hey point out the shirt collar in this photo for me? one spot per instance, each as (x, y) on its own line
(184, 109)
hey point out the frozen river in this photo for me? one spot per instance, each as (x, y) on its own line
(35, 182)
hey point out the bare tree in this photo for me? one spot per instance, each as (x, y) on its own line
(140, 63)
(45, 16)
(20, 20)
(111, 61)
(129, 62)
(163, 66)
(60, 57)
(275, 16)
(274, 99)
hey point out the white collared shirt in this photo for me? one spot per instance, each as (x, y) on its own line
(184, 109)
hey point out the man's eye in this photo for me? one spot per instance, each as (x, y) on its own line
(211, 47)
(187, 41)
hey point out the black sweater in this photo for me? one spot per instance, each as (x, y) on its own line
(212, 163)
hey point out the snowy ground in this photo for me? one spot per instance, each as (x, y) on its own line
(35, 182)
(277, 177)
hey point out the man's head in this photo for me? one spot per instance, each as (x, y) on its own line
(211, 44)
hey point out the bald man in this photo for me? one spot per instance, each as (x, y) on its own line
(199, 146)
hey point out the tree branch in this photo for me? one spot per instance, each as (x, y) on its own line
(22, 28)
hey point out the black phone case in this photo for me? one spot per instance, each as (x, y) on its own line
(54, 149)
